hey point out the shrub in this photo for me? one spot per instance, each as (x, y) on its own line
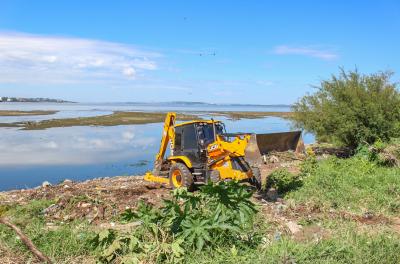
(283, 180)
(351, 109)
(308, 167)
(219, 214)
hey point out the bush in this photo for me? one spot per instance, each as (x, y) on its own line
(219, 214)
(283, 180)
(351, 109)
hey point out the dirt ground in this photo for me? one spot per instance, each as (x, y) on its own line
(99, 200)
(96, 200)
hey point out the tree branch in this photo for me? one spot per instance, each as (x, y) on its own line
(26, 241)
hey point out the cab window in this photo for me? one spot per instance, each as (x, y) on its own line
(189, 137)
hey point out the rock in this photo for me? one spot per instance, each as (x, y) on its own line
(368, 215)
(293, 227)
(277, 236)
(264, 157)
(272, 194)
(66, 181)
(273, 159)
(50, 209)
(66, 186)
(280, 208)
(84, 205)
(46, 184)
(279, 200)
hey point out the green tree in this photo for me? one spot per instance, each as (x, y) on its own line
(351, 109)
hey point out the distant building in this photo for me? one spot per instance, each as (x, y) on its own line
(9, 100)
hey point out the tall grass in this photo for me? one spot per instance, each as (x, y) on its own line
(343, 248)
(355, 185)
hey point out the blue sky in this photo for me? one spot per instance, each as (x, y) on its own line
(261, 52)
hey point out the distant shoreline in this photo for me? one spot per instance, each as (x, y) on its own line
(6, 99)
(172, 103)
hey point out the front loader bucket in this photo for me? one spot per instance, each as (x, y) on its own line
(262, 144)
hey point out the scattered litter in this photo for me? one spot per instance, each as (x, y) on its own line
(46, 184)
(293, 227)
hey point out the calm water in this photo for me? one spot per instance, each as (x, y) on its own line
(27, 158)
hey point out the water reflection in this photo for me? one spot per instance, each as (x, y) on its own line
(61, 114)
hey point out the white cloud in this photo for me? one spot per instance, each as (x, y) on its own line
(306, 51)
(46, 59)
(130, 72)
(50, 58)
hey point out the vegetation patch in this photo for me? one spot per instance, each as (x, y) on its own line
(117, 118)
(25, 113)
(60, 241)
(217, 215)
(355, 185)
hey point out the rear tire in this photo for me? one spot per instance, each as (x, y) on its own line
(180, 176)
(257, 181)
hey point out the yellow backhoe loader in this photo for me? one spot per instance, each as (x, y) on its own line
(202, 151)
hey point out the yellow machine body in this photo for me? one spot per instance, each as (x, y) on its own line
(209, 154)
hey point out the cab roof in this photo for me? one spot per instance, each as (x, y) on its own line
(196, 121)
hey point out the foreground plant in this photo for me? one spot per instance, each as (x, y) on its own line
(217, 214)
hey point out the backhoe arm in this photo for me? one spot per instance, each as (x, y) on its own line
(168, 135)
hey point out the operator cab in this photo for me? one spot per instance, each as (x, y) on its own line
(206, 135)
(192, 139)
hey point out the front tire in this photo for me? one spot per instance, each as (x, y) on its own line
(180, 176)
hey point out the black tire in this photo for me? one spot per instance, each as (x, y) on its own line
(257, 181)
(185, 176)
